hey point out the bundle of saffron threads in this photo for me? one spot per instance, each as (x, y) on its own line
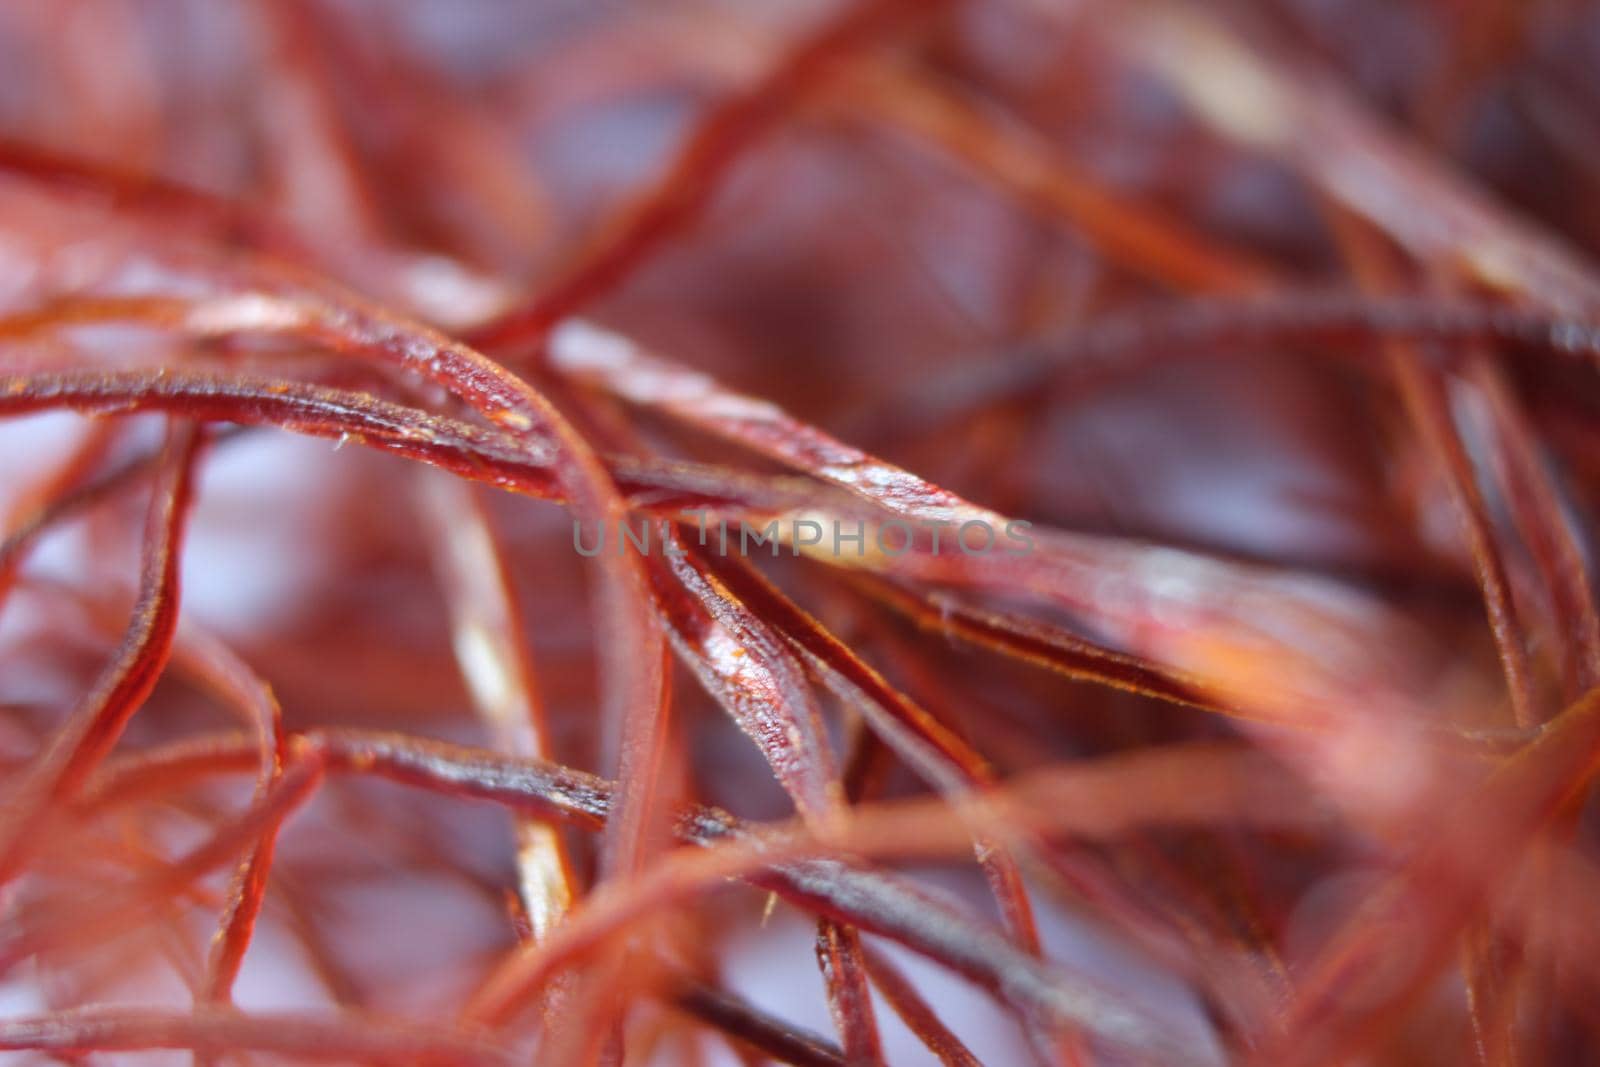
(886, 532)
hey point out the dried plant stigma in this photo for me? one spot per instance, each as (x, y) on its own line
(975, 531)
